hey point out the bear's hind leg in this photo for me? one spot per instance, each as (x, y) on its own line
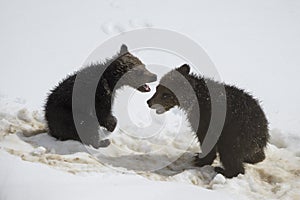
(61, 124)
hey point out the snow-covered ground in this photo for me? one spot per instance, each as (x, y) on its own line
(254, 44)
(156, 167)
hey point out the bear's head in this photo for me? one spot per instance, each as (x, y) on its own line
(164, 98)
(129, 70)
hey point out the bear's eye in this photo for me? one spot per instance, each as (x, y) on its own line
(166, 96)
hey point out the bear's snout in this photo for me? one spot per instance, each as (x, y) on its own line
(149, 103)
(152, 77)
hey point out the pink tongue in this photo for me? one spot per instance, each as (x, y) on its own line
(147, 88)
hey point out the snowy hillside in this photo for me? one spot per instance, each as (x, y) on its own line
(253, 44)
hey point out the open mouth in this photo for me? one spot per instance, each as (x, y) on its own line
(160, 111)
(144, 88)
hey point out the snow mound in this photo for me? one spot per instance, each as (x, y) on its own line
(19, 120)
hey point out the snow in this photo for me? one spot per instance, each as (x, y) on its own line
(156, 166)
(254, 45)
(43, 182)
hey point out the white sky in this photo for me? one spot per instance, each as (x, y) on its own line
(254, 44)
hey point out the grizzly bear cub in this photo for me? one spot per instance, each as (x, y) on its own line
(101, 80)
(245, 132)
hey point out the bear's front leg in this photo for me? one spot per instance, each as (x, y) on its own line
(110, 123)
(88, 134)
(207, 160)
(87, 130)
(232, 163)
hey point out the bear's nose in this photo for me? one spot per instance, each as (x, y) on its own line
(154, 77)
(149, 102)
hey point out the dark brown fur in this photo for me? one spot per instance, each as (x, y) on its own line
(245, 132)
(59, 106)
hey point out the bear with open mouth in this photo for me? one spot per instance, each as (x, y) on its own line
(245, 132)
(121, 70)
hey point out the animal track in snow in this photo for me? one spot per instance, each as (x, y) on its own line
(111, 27)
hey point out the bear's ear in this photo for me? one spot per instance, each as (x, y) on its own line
(124, 49)
(184, 69)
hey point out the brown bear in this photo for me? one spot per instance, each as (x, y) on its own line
(59, 106)
(245, 132)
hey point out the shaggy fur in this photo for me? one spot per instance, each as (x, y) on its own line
(123, 69)
(245, 132)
